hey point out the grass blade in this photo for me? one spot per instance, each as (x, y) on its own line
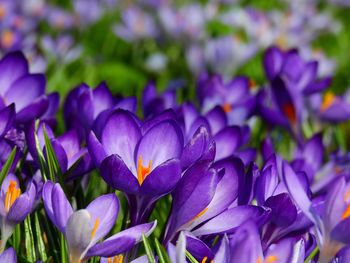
(148, 249)
(7, 166)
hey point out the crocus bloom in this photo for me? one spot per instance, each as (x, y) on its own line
(85, 227)
(141, 161)
(292, 81)
(14, 206)
(234, 97)
(331, 221)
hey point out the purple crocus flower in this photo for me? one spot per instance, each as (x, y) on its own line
(292, 81)
(330, 215)
(14, 206)
(234, 97)
(18, 86)
(204, 201)
(85, 227)
(141, 160)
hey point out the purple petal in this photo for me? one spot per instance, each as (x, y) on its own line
(162, 179)
(273, 61)
(227, 141)
(121, 242)
(7, 117)
(102, 99)
(120, 136)
(116, 174)
(12, 67)
(56, 205)
(8, 256)
(96, 149)
(26, 89)
(104, 209)
(230, 220)
(162, 142)
(34, 110)
(217, 119)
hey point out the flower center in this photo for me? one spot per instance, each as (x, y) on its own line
(252, 84)
(271, 259)
(227, 107)
(13, 192)
(143, 171)
(289, 111)
(93, 232)
(328, 99)
(115, 259)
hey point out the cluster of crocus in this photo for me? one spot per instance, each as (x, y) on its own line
(205, 179)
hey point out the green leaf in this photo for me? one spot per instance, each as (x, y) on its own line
(52, 163)
(16, 238)
(148, 249)
(64, 250)
(43, 167)
(162, 256)
(29, 240)
(6, 168)
(191, 258)
(39, 239)
(312, 255)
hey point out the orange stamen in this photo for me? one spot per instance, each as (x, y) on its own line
(143, 171)
(227, 107)
(259, 260)
(204, 260)
(289, 111)
(93, 232)
(328, 99)
(7, 38)
(116, 259)
(11, 195)
(252, 84)
(346, 213)
(199, 214)
(271, 259)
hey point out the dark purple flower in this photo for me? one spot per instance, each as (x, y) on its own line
(143, 161)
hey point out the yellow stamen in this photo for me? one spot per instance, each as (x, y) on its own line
(93, 232)
(11, 195)
(116, 259)
(227, 107)
(346, 213)
(328, 99)
(7, 38)
(289, 111)
(143, 171)
(204, 260)
(258, 260)
(271, 259)
(199, 214)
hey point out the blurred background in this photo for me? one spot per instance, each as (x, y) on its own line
(128, 43)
